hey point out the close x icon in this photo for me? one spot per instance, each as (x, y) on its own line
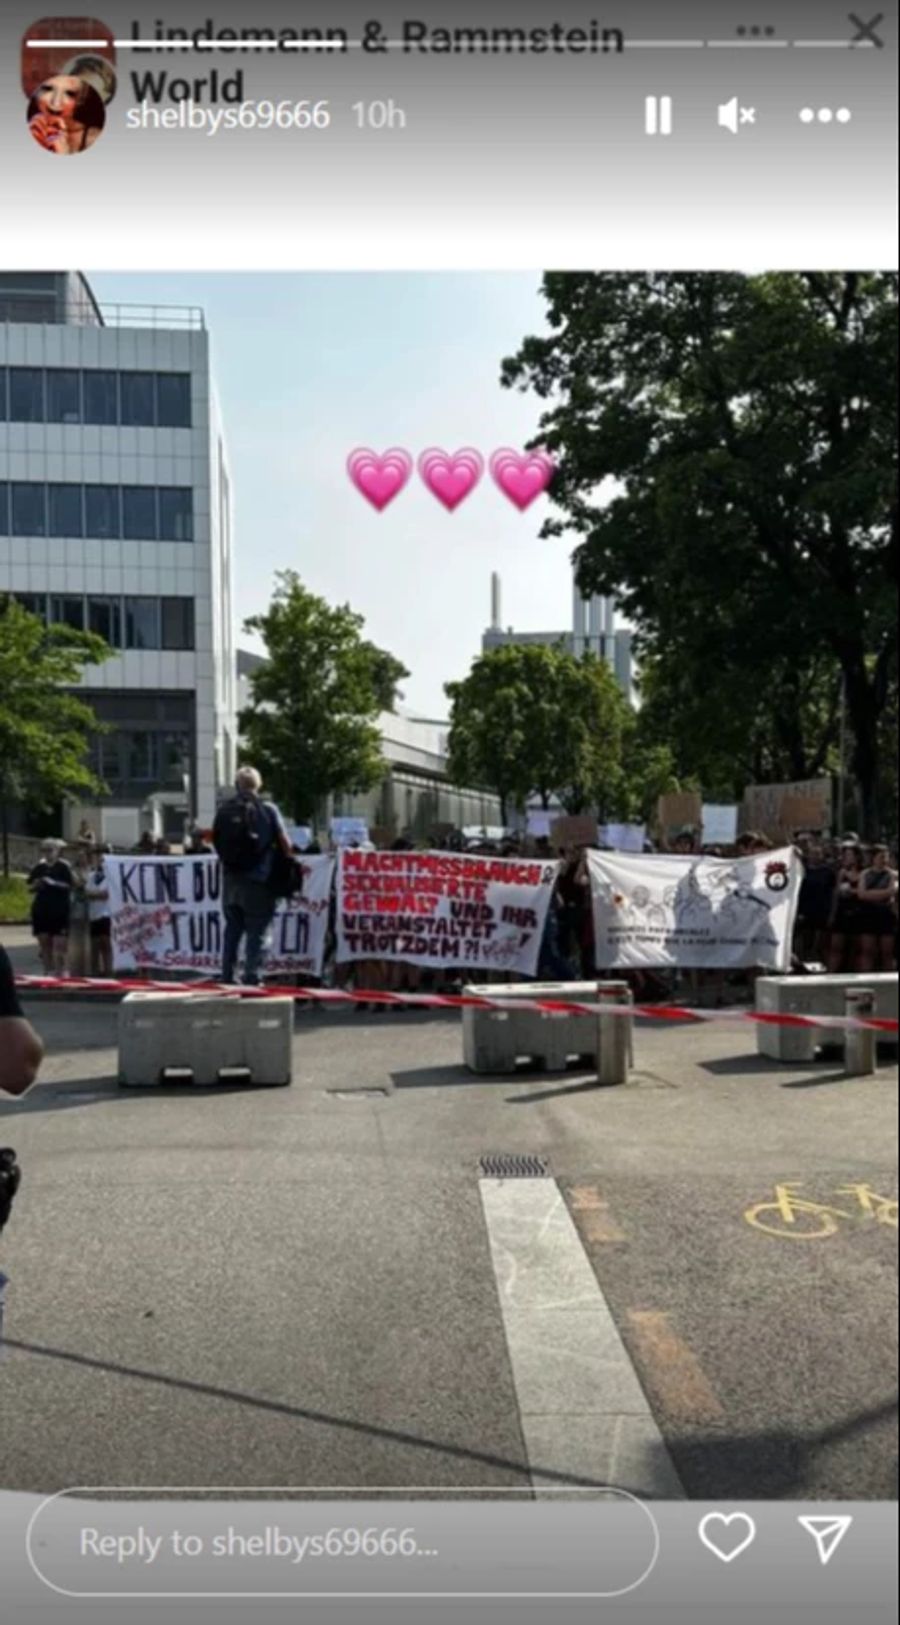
(867, 33)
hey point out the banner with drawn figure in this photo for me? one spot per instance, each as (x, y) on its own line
(443, 909)
(694, 912)
(166, 914)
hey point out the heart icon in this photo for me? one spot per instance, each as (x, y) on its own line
(379, 479)
(451, 477)
(522, 476)
(727, 1535)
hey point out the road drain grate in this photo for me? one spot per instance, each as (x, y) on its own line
(513, 1165)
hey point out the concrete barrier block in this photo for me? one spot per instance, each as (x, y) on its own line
(204, 1039)
(497, 1040)
(814, 996)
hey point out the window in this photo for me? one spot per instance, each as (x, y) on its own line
(176, 513)
(3, 407)
(101, 397)
(4, 508)
(101, 512)
(173, 400)
(142, 623)
(67, 612)
(34, 602)
(139, 513)
(64, 516)
(174, 758)
(136, 394)
(141, 757)
(63, 395)
(29, 516)
(104, 616)
(26, 395)
(177, 623)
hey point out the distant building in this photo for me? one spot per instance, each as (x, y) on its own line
(594, 630)
(116, 516)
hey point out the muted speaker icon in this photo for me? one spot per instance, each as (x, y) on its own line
(732, 116)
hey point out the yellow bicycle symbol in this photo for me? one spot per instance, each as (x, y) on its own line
(799, 1219)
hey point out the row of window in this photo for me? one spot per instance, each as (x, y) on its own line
(131, 513)
(142, 400)
(139, 756)
(125, 623)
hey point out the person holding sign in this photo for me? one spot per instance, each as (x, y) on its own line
(251, 841)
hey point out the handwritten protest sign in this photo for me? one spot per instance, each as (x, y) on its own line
(166, 913)
(443, 909)
(624, 837)
(781, 809)
(720, 824)
(577, 830)
(695, 912)
(349, 831)
(679, 810)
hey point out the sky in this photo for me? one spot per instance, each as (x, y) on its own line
(311, 365)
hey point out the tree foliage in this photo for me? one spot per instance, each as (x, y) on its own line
(531, 719)
(728, 457)
(310, 726)
(45, 728)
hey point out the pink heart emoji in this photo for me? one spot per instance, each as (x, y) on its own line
(379, 479)
(522, 476)
(451, 477)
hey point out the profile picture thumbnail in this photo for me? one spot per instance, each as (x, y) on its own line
(68, 88)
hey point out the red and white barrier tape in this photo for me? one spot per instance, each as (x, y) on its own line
(449, 1001)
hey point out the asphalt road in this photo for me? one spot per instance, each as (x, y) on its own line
(276, 1287)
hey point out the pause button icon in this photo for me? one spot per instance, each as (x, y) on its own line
(658, 115)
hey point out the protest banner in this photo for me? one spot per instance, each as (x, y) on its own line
(443, 909)
(623, 837)
(349, 831)
(679, 810)
(578, 830)
(167, 913)
(779, 810)
(720, 824)
(695, 912)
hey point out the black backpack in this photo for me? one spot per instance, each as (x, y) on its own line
(242, 833)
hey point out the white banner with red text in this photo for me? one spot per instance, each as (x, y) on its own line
(694, 912)
(443, 909)
(167, 912)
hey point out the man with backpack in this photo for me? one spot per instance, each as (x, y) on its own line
(254, 851)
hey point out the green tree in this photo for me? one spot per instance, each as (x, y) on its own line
(750, 426)
(533, 719)
(44, 728)
(310, 726)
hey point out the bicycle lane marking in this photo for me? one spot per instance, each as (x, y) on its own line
(794, 1214)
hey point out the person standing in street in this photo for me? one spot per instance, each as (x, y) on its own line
(50, 884)
(249, 837)
(21, 1051)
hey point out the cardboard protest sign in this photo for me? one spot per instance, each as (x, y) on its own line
(720, 825)
(694, 912)
(539, 823)
(579, 830)
(166, 913)
(443, 909)
(780, 809)
(678, 810)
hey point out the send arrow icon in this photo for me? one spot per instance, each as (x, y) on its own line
(827, 1534)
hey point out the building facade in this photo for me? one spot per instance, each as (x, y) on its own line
(116, 516)
(594, 630)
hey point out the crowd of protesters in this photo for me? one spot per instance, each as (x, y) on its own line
(846, 921)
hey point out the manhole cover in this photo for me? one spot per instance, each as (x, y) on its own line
(513, 1165)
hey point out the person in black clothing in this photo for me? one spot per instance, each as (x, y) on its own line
(816, 904)
(50, 883)
(21, 1051)
(248, 835)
